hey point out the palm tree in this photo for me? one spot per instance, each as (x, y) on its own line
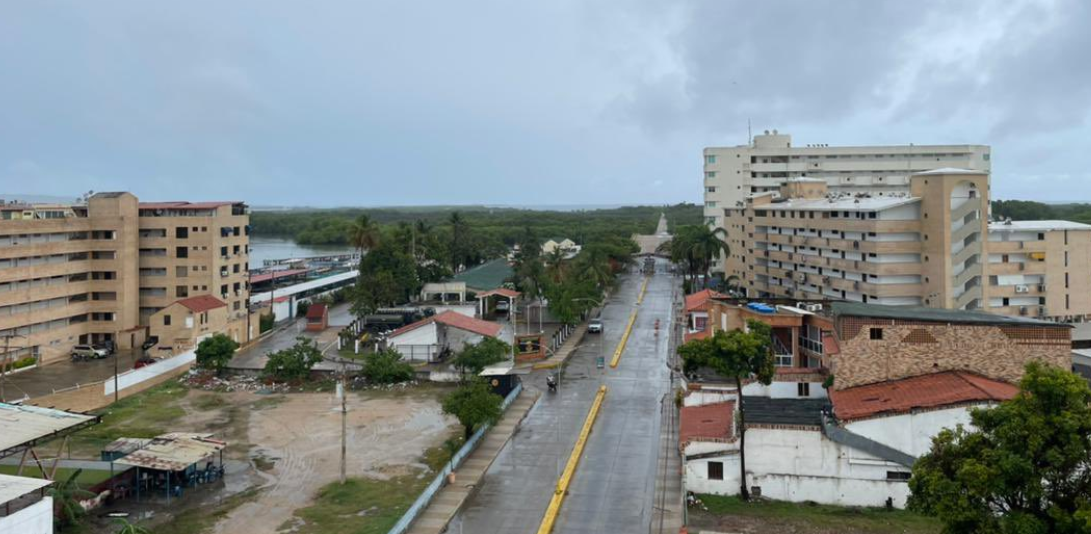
(594, 268)
(66, 498)
(420, 232)
(459, 233)
(364, 233)
(555, 265)
(129, 528)
(708, 244)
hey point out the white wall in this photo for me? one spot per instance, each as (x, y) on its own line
(133, 377)
(34, 519)
(783, 390)
(412, 342)
(910, 433)
(469, 309)
(706, 395)
(802, 465)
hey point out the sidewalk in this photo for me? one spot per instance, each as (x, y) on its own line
(451, 497)
(565, 351)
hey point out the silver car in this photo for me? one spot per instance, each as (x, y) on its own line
(595, 326)
(88, 352)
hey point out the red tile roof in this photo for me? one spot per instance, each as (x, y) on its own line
(927, 391)
(201, 303)
(699, 300)
(500, 291)
(707, 422)
(316, 311)
(454, 320)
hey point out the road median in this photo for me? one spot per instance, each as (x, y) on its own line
(565, 479)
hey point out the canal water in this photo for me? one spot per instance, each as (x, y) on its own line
(266, 248)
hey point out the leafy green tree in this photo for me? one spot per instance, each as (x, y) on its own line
(570, 299)
(386, 367)
(388, 276)
(364, 233)
(295, 362)
(740, 355)
(476, 356)
(67, 495)
(473, 404)
(1023, 466)
(460, 240)
(556, 265)
(215, 352)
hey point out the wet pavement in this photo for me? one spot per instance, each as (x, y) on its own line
(65, 374)
(255, 356)
(614, 488)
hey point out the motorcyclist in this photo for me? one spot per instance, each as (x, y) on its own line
(551, 382)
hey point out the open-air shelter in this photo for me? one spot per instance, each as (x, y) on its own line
(173, 461)
(22, 428)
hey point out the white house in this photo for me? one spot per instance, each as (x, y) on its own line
(855, 448)
(569, 247)
(428, 339)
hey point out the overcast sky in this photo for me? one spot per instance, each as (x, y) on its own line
(529, 103)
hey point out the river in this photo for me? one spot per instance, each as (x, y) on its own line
(268, 248)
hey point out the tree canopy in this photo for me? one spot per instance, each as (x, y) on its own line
(386, 367)
(473, 404)
(1023, 466)
(215, 352)
(295, 362)
(476, 356)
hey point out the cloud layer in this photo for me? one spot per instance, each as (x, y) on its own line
(562, 102)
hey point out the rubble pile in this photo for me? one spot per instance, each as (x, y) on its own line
(210, 382)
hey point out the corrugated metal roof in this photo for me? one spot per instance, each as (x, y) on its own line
(488, 275)
(12, 487)
(23, 424)
(174, 452)
(800, 411)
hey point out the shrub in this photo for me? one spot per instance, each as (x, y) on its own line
(295, 362)
(215, 352)
(473, 404)
(25, 362)
(266, 322)
(301, 308)
(386, 367)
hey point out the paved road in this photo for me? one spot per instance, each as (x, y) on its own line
(255, 356)
(613, 490)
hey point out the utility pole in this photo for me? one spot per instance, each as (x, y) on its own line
(4, 367)
(343, 392)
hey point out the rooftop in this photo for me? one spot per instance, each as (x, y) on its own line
(1036, 226)
(316, 311)
(940, 315)
(700, 299)
(798, 412)
(183, 205)
(840, 203)
(948, 170)
(12, 487)
(454, 320)
(265, 277)
(201, 303)
(174, 452)
(22, 425)
(908, 394)
(708, 422)
(488, 275)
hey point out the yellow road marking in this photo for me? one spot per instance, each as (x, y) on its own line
(643, 288)
(570, 468)
(624, 339)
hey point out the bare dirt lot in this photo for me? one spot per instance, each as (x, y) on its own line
(283, 449)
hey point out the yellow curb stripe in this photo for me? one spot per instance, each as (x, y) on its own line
(624, 339)
(570, 468)
(643, 288)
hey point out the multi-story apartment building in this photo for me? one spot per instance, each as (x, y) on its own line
(96, 272)
(928, 246)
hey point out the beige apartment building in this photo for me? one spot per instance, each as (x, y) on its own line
(930, 245)
(98, 271)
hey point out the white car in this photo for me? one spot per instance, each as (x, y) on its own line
(595, 326)
(88, 352)
(503, 306)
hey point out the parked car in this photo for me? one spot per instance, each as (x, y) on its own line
(595, 326)
(503, 306)
(144, 362)
(150, 343)
(107, 348)
(88, 352)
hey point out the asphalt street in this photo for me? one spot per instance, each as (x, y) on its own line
(614, 488)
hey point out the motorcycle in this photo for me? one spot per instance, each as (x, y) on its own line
(551, 382)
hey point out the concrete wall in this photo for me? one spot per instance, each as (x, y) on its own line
(911, 433)
(34, 519)
(802, 465)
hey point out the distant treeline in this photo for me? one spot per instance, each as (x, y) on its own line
(1025, 210)
(497, 226)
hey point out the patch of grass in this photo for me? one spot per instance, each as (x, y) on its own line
(209, 402)
(360, 505)
(266, 402)
(87, 478)
(201, 518)
(820, 516)
(144, 415)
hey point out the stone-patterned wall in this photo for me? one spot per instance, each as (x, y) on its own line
(911, 349)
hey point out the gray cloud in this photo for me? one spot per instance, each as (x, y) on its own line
(554, 102)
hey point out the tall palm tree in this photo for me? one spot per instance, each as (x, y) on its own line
(460, 231)
(364, 234)
(707, 246)
(594, 267)
(556, 265)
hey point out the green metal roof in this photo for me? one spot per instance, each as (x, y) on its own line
(488, 275)
(940, 315)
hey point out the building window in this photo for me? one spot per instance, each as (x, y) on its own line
(898, 475)
(715, 470)
(803, 389)
(166, 320)
(710, 174)
(876, 333)
(710, 189)
(181, 291)
(710, 160)
(181, 252)
(181, 232)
